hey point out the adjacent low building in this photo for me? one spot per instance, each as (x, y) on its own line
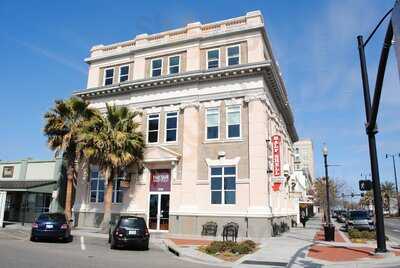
(218, 126)
(26, 188)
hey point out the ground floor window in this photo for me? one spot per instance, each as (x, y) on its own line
(223, 185)
(97, 187)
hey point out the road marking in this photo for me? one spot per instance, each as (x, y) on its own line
(83, 247)
(396, 230)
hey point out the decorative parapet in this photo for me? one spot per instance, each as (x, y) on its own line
(192, 30)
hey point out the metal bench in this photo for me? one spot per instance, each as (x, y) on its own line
(209, 229)
(230, 230)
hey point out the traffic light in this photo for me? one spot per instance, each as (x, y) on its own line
(352, 195)
(362, 194)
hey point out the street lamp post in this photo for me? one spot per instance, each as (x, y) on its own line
(395, 180)
(329, 229)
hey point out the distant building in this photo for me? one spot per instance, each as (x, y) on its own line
(218, 126)
(26, 188)
(304, 156)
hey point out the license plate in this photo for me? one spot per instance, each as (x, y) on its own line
(132, 232)
(49, 226)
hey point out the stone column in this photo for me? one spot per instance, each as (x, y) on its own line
(259, 201)
(190, 159)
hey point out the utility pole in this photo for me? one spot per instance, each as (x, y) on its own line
(395, 180)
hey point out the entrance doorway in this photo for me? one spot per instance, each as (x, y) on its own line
(160, 186)
(159, 212)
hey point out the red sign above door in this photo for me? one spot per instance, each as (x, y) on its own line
(160, 180)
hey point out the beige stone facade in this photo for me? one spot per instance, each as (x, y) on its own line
(227, 104)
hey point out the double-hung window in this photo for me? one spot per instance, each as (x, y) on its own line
(233, 55)
(156, 67)
(108, 76)
(96, 186)
(223, 185)
(123, 73)
(233, 121)
(171, 126)
(212, 123)
(174, 64)
(118, 192)
(213, 58)
(152, 128)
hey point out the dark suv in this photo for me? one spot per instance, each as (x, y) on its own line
(360, 219)
(51, 226)
(129, 231)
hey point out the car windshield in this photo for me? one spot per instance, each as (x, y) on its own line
(52, 217)
(359, 215)
(132, 223)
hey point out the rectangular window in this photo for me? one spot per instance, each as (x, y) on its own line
(152, 128)
(223, 185)
(96, 186)
(171, 126)
(8, 171)
(156, 67)
(123, 73)
(174, 64)
(233, 55)
(212, 118)
(233, 122)
(213, 58)
(108, 76)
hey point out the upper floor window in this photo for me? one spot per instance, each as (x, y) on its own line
(123, 73)
(152, 128)
(233, 55)
(118, 192)
(223, 185)
(171, 126)
(174, 64)
(108, 76)
(233, 121)
(212, 123)
(156, 67)
(213, 58)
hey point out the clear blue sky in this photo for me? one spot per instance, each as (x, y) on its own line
(43, 44)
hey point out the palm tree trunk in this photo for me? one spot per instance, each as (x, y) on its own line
(69, 190)
(105, 224)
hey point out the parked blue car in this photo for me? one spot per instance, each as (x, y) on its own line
(51, 226)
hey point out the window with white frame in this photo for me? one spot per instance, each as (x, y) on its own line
(223, 185)
(233, 121)
(96, 186)
(171, 126)
(108, 76)
(174, 64)
(152, 128)
(213, 58)
(233, 55)
(212, 123)
(156, 67)
(123, 73)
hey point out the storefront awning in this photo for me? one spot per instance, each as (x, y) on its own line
(27, 186)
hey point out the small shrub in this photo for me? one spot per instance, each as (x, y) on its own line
(219, 246)
(250, 243)
(354, 233)
(241, 248)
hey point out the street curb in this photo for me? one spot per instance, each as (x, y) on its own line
(171, 247)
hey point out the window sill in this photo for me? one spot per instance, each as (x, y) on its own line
(223, 141)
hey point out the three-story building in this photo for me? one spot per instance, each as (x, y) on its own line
(212, 99)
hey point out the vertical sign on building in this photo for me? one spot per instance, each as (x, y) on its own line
(276, 143)
(396, 31)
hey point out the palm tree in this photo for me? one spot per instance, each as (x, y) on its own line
(367, 199)
(62, 126)
(113, 142)
(388, 191)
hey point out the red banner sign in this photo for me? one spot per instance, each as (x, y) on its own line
(276, 143)
(160, 180)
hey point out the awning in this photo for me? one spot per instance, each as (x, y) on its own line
(27, 186)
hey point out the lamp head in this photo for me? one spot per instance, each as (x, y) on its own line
(325, 150)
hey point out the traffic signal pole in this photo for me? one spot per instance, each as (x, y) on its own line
(371, 116)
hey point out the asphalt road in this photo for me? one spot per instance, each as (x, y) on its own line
(16, 251)
(392, 229)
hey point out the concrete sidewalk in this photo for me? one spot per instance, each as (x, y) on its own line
(288, 250)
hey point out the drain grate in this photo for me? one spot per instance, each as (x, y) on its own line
(269, 263)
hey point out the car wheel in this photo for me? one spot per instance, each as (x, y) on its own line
(33, 239)
(109, 239)
(145, 246)
(112, 245)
